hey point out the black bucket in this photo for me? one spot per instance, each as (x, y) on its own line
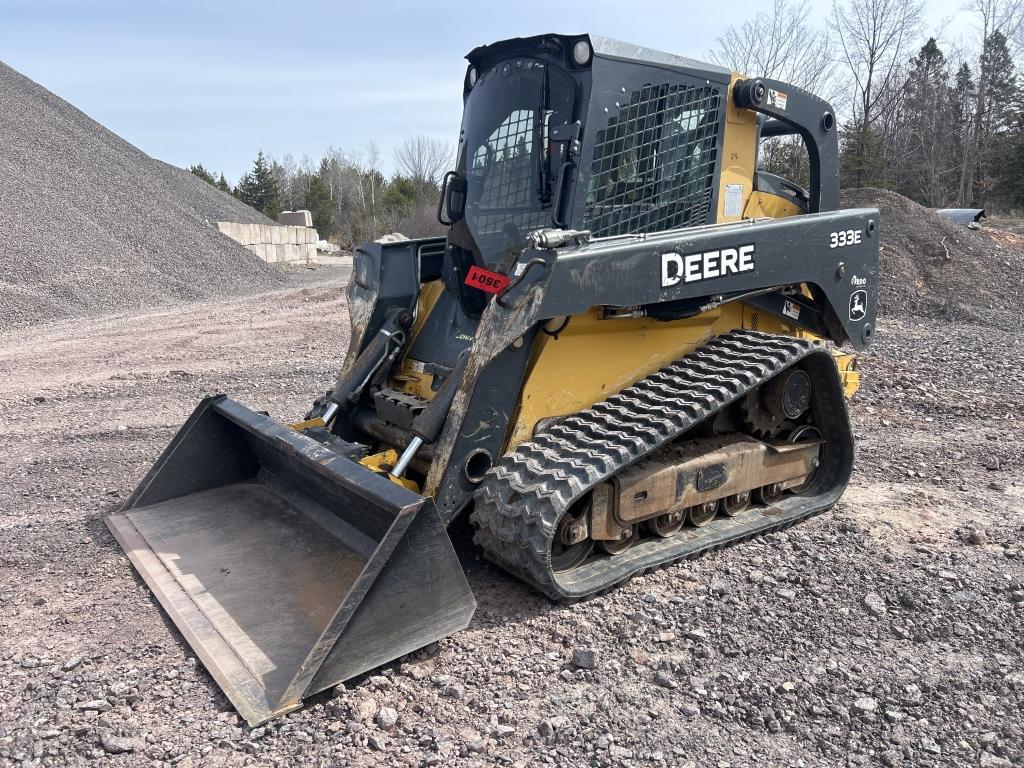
(287, 567)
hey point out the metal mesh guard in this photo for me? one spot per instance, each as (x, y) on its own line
(653, 166)
(510, 184)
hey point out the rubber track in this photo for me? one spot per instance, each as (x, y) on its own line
(520, 501)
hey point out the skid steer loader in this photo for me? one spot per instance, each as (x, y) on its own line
(631, 347)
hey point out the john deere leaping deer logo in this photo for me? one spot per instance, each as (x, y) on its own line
(858, 305)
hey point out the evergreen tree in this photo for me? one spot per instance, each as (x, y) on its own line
(222, 184)
(202, 173)
(926, 131)
(258, 188)
(862, 157)
(318, 202)
(997, 118)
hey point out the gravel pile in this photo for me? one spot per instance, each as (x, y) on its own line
(934, 268)
(90, 224)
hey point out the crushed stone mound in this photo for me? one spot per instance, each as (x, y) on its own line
(931, 267)
(89, 224)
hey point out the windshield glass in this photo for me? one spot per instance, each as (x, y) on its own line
(509, 164)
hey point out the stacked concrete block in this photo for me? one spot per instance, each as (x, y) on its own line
(296, 218)
(284, 244)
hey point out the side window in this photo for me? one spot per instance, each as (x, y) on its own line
(653, 165)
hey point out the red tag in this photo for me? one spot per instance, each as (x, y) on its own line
(485, 280)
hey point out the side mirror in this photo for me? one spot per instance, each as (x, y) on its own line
(452, 203)
(456, 202)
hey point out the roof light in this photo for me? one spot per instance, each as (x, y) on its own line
(581, 52)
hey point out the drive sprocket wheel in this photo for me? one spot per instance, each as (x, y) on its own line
(757, 418)
(767, 409)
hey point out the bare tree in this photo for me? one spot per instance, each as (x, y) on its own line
(782, 45)
(424, 159)
(874, 37)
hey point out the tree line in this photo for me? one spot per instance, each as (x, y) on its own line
(936, 118)
(349, 196)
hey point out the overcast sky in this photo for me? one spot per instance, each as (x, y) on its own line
(215, 81)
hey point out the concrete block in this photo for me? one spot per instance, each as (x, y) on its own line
(296, 218)
(252, 233)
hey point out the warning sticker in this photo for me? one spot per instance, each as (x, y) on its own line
(777, 99)
(485, 280)
(733, 199)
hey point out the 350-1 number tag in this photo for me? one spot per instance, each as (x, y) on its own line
(846, 237)
(485, 280)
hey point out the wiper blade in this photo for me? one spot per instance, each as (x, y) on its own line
(543, 158)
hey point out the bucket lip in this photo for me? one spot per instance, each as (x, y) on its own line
(239, 684)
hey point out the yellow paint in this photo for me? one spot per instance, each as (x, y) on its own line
(382, 462)
(761, 204)
(594, 358)
(739, 152)
(408, 378)
(298, 426)
(849, 373)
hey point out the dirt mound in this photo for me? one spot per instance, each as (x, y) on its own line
(934, 268)
(90, 224)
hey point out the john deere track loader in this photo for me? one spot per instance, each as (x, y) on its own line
(631, 347)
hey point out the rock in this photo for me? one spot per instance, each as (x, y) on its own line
(720, 588)
(865, 704)
(376, 742)
(977, 537)
(71, 663)
(912, 694)
(387, 718)
(257, 733)
(665, 680)
(697, 634)
(988, 760)
(690, 710)
(30, 662)
(548, 728)
(502, 731)
(95, 705)
(875, 604)
(786, 594)
(366, 708)
(391, 237)
(453, 691)
(115, 745)
(583, 658)
(929, 744)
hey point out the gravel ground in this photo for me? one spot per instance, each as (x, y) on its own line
(888, 631)
(90, 224)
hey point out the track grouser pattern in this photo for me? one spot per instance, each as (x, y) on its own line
(519, 503)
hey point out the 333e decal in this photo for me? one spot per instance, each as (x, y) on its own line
(844, 237)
